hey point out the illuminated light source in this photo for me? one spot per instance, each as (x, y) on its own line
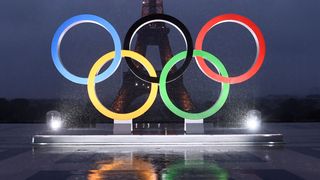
(54, 120)
(253, 120)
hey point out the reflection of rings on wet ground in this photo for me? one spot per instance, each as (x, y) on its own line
(134, 168)
(193, 168)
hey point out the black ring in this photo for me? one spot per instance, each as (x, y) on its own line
(180, 25)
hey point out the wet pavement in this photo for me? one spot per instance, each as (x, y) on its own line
(297, 159)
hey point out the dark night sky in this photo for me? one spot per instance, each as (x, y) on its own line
(291, 29)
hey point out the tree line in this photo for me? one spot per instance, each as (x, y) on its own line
(273, 109)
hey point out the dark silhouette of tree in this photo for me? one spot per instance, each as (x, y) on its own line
(4, 109)
(79, 113)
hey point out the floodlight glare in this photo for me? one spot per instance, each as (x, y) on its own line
(253, 120)
(54, 120)
(55, 124)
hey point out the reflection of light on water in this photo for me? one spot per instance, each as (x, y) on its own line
(267, 157)
(178, 170)
(143, 170)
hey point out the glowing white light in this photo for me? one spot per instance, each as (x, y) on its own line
(253, 120)
(252, 123)
(54, 120)
(55, 124)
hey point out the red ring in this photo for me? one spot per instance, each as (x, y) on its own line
(255, 31)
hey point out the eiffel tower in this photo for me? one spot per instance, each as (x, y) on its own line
(155, 34)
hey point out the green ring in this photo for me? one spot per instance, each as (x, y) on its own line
(224, 86)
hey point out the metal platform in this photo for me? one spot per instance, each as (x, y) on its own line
(159, 140)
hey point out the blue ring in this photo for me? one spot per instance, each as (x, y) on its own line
(68, 24)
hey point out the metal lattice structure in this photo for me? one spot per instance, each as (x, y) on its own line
(155, 34)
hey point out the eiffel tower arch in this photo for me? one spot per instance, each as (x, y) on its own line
(153, 34)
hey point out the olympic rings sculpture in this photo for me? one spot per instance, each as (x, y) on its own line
(158, 82)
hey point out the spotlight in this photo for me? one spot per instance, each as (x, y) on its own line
(253, 120)
(54, 120)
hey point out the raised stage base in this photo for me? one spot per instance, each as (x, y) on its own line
(159, 140)
(157, 135)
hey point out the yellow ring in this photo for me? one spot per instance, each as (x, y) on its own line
(92, 91)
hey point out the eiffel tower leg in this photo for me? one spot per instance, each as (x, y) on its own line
(121, 101)
(126, 94)
(141, 48)
(181, 96)
(160, 34)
